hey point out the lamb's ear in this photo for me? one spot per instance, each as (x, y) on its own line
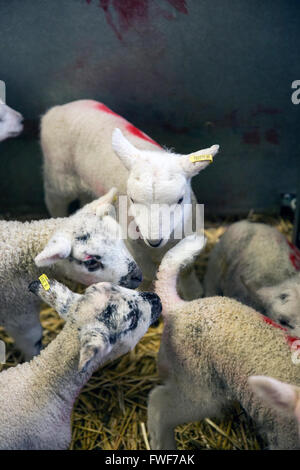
(126, 152)
(104, 205)
(258, 295)
(58, 247)
(279, 395)
(55, 294)
(93, 343)
(195, 162)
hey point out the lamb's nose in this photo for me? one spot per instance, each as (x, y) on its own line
(133, 278)
(155, 243)
(136, 275)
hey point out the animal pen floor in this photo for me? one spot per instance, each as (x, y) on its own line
(110, 412)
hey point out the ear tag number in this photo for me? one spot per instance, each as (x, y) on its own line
(201, 158)
(44, 281)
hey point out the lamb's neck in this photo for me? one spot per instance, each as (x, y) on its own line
(25, 240)
(57, 368)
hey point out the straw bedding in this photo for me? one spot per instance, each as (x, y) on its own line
(110, 412)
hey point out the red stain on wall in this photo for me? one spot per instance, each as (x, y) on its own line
(272, 136)
(131, 12)
(180, 5)
(263, 110)
(252, 137)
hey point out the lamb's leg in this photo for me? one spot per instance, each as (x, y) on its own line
(214, 272)
(189, 285)
(146, 285)
(167, 408)
(26, 330)
(58, 204)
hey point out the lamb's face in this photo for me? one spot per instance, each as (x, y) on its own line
(110, 319)
(159, 199)
(10, 122)
(159, 189)
(89, 248)
(116, 317)
(282, 303)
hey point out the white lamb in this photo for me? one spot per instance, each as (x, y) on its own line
(255, 264)
(10, 122)
(36, 398)
(209, 349)
(86, 247)
(83, 158)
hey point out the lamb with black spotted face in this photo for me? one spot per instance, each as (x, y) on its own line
(86, 247)
(10, 122)
(88, 251)
(36, 398)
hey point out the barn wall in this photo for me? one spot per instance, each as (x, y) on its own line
(190, 73)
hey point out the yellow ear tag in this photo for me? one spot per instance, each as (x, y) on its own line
(44, 281)
(201, 158)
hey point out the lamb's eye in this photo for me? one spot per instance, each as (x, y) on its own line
(283, 296)
(133, 322)
(284, 322)
(180, 200)
(93, 264)
(132, 200)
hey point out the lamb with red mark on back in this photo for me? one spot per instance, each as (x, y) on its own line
(209, 349)
(88, 148)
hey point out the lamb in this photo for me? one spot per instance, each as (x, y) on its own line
(209, 349)
(36, 398)
(86, 247)
(92, 148)
(10, 122)
(255, 264)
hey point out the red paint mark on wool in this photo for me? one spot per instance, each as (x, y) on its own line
(290, 339)
(129, 127)
(105, 109)
(294, 256)
(135, 131)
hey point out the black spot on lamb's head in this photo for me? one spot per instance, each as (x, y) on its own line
(120, 314)
(89, 248)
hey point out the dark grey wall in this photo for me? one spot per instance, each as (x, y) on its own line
(190, 73)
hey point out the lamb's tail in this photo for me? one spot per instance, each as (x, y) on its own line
(182, 254)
